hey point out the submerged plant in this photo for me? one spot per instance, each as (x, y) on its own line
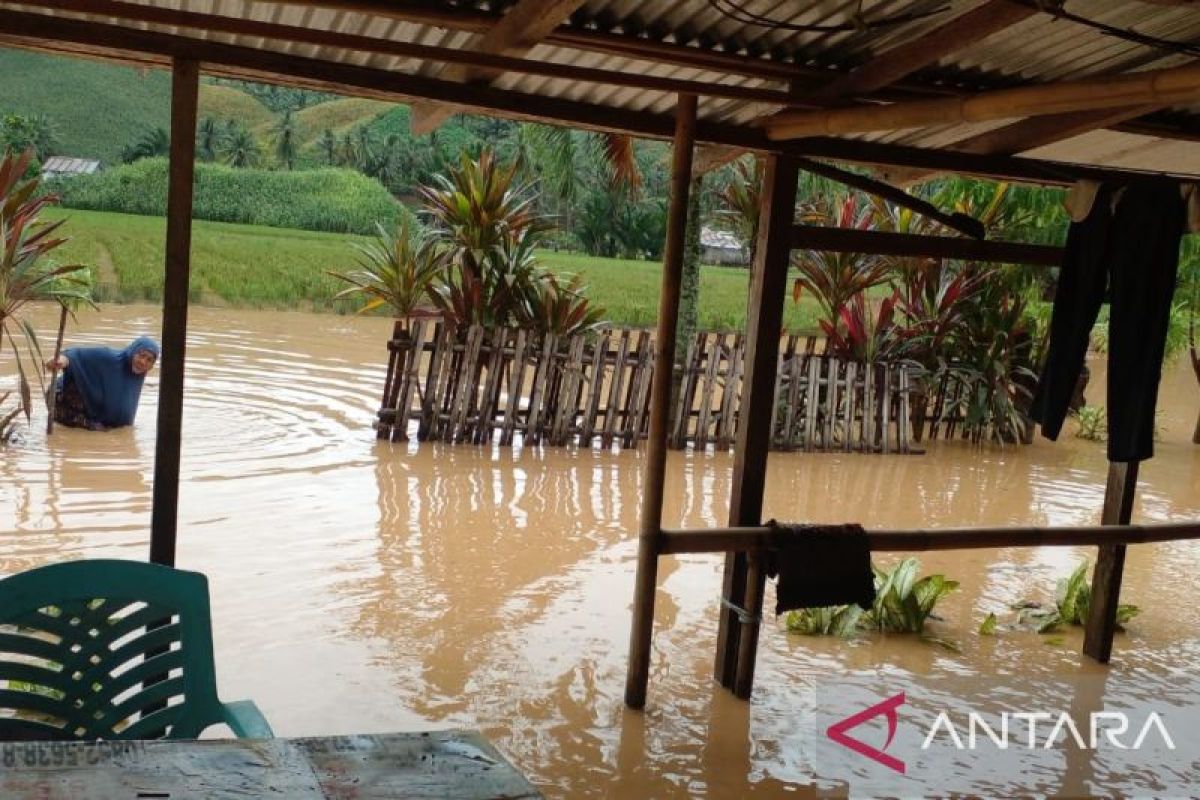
(840, 621)
(1091, 423)
(1072, 602)
(903, 603)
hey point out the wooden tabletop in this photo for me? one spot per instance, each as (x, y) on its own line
(455, 765)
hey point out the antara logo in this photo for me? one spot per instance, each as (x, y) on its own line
(837, 732)
(1009, 729)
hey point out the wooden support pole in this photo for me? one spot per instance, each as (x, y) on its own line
(1110, 562)
(646, 580)
(52, 389)
(185, 85)
(767, 291)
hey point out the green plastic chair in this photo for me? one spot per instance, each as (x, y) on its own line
(107, 649)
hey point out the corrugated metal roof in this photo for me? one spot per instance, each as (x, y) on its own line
(64, 165)
(615, 35)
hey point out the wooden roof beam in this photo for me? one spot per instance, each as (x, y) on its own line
(521, 27)
(1030, 134)
(1162, 87)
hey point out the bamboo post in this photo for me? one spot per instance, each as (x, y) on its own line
(185, 86)
(51, 393)
(646, 579)
(1110, 562)
(737, 641)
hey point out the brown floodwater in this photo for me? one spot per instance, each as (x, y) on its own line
(361, 586)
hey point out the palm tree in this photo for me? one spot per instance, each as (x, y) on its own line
(285, 140)
(25, 275)
(241, 148)
(328, 145)
(154, 142)
(208, 139)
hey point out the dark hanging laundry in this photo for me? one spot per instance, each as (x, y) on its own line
(1127, 251)
(820, 565)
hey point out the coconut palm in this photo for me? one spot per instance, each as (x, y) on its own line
(26, 275)
(208, 139)
(154, 142)
(284, 132)
(241, 148)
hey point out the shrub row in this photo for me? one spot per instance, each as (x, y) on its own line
(334, 200)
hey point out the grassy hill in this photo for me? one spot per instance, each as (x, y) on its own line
(336, 115)
(225, 102)
(99, 108)
(96, 107)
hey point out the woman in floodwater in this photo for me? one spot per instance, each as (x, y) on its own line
(100, 386)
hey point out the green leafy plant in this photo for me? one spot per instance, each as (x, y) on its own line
(840, 621)
(1091, 423)
(397, 268)
(903, 603)
(554, 307)
(1072, 602)
(834, 278)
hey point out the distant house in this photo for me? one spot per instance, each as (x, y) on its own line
(722, 247)
(65, 167)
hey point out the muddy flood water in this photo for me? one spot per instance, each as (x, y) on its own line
(360, 586)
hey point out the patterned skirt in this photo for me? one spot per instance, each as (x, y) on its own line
(69, 408)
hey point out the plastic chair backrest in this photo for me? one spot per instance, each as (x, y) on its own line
(83, 642)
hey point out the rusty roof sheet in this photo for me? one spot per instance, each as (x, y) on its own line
(1042, 48)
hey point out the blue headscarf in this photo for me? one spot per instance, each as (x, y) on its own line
(107, 382)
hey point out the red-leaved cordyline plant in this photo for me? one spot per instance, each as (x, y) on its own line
(834, 278)
(868, 330)
(26, 276)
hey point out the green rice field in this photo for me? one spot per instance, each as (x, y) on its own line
(260, 267)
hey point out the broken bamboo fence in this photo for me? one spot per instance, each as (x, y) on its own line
(486, 385)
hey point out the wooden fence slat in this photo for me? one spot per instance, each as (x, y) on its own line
(540, 389)
(868, 408)
(639, 390)
(812, 400)
(851, 394)
(391, 385)
(731, 396)
(587, 429)
(412, 375)
(429, 403)
(516, 381)
(568, 403)
(715, 354)
(885, 404)
(833, 386)
(612, 406)
(486, 417)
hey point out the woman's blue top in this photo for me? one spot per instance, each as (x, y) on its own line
(107, 382)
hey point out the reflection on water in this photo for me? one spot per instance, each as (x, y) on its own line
(362, 586)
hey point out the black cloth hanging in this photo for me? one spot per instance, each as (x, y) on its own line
(820, 565)
(1128, 249)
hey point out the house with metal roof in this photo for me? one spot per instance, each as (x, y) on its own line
(66, 167)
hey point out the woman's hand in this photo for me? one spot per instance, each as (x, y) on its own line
(58, 364)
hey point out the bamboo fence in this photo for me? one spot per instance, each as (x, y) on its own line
(504, 385)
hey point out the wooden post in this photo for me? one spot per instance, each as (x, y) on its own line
(646, 581)
(51, 392)
(742, 583)
(185, 83)
(1110, 562)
